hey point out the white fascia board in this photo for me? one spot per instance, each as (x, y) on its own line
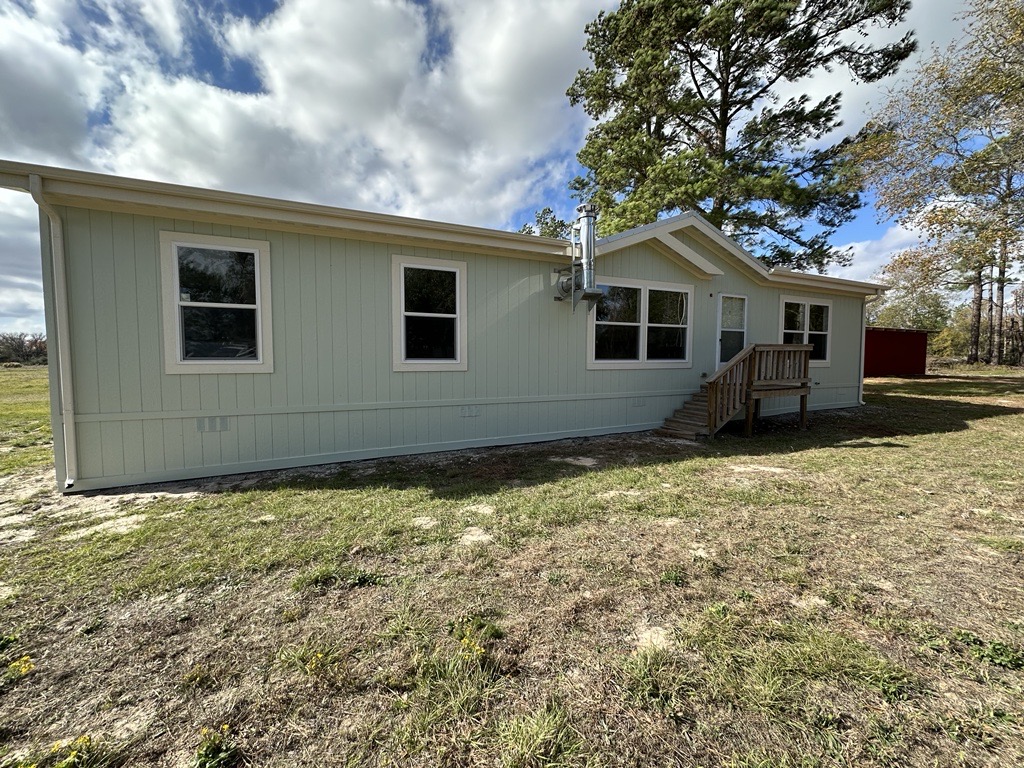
(662, 232)
(18, 181)
(719, 238)
(665, 244)
(778, 277)
(81, 188)
(808, 282)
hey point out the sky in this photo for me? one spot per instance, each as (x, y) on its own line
(452, 110)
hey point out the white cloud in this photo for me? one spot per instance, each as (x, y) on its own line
(47, 90)
(934, 23)
(21, 286)
(457, 112)
(163, 17)
(869, 256)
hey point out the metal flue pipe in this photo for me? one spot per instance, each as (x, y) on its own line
(588, 245)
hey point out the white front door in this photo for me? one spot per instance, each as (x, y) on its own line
(732, 326)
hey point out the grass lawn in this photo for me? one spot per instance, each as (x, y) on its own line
(852, 595)
(25, 439)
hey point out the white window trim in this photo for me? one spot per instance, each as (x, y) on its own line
(399, 362)
(746, 320)
(806, 300)
(626, 365)
(173, 361)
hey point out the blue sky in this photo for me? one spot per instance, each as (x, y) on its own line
(445, 109)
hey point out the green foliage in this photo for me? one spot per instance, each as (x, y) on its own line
(317, 658)
(25, 437)
(542, 739)
(991, 651)
(547, 224)
(198, 678)
(475, 634)
(676, 576)
(916, 297)
(217, 749)
(686, 100)
(81, 752)
(1004, 543)
(750, 664)
(977, 724)
(16, 670)
(325, 577)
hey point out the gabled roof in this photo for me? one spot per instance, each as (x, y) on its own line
(660, 236)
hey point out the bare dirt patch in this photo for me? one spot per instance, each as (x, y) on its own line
(474, 535)
(579, 461)
(117, 525)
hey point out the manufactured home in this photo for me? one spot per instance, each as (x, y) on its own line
(196, 332)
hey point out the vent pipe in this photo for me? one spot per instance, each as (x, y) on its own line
(578, 280)
(588, 245)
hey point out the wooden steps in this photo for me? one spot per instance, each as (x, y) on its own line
(756, 372)
(689, 422)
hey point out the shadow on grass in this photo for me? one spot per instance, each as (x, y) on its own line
(895, 409)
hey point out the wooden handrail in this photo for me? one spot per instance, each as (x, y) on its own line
(728, 389)
(734, 360)
(757, 366)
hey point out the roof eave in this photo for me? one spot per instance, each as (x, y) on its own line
(806, 281)
(86, 189)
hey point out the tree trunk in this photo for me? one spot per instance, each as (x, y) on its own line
(976, 300)
(988, 319)
(1000, 295)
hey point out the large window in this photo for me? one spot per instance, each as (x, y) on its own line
(640, 325)
(216, 304)
(805, 321)
(429, 314)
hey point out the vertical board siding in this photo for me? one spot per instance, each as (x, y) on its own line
(152, 446)
(127, 313)
(82, 318)
(333, 391)
(108, 349)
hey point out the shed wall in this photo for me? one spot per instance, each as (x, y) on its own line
(895, 352)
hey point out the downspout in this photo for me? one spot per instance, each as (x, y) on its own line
(60, 313)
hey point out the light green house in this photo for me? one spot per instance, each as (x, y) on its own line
(197, 333)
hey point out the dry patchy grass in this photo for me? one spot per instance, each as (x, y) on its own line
(847, 596)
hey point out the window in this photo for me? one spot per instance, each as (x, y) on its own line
(808, 322)
(640, 325)
(216, 295)
(429, 314)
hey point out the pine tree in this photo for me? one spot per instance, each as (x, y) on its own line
(687, 99)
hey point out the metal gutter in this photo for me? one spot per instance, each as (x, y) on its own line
(60, 313)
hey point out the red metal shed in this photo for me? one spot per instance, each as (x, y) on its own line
(895, 351)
